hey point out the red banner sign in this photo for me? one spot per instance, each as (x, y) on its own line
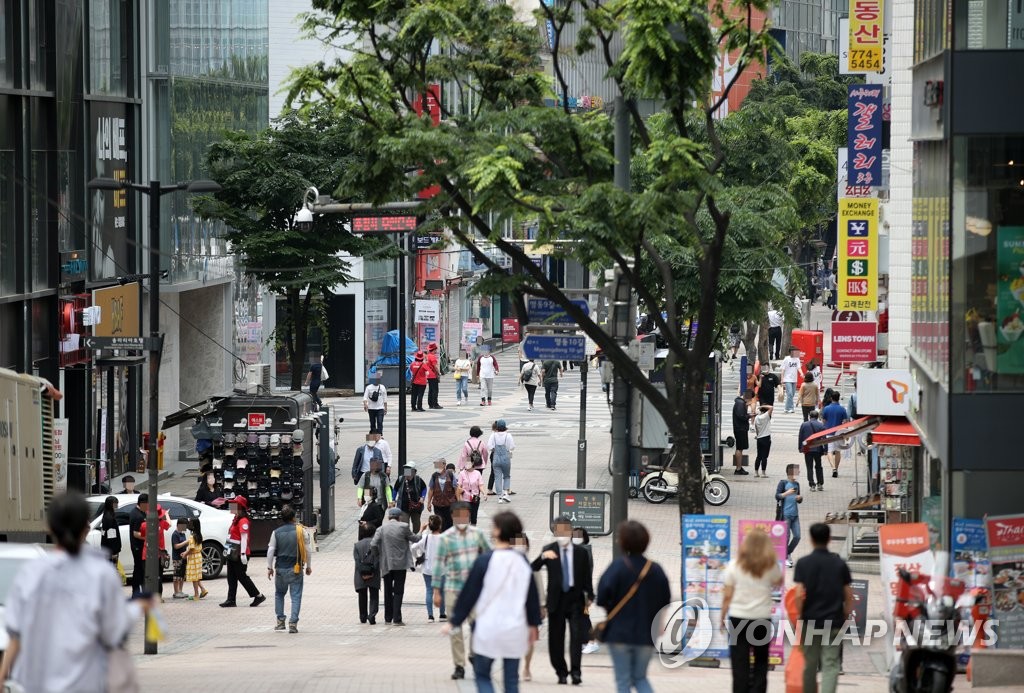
(257, 422)
(854, 342)
(509, 330)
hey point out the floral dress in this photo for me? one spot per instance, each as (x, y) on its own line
(194, 566)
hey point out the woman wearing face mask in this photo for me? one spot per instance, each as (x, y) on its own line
(208, 492)
(501, 592)
(522, 545)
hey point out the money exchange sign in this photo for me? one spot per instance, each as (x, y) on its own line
(858, 253)
(866, 38)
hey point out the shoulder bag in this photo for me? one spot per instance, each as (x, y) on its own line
(597, 633)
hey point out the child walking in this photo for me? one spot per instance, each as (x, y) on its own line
(194, 559)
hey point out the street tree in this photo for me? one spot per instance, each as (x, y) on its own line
(504, 159)
(263, 177)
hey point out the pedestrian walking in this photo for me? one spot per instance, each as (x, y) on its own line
(393, 541)
(470, 490)
(475, 353)
(500, 445)
(371, 513)
(741, 428)
(750, 579)
(812, 454)
(787, 508)
(375, 402)
(458, 547)
(409, 495)
(824, 600)
(502, 595)
(474, 451)
(814, 368)
(633, 591)
(179, 543)
(315, 377)
(441, 493)
(522, 544)
(384, 447)
(551, 372)
(194, 559)
(65, 612)
(581, 538)
(237, 553)
(529, 376)
(763, 438)
(110, 533)
(378, 481)
(462, 368)
(289, 555)
(570, 591)
(367, 574)
(834, 414)
(418, 369)
(426, 547)
(790, 376)
(433, 376)
(373, 448)
(809, 395)
(734, 340)
(487, 369)
(766, 384)
(136, 540)
(776, 319)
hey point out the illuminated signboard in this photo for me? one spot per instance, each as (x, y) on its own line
(383, 224)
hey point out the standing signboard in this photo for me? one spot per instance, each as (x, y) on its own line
(902, 546)
(854, 342)
(706, 551)
(858, 254)
(1006, 552)
(970, 552)
(509, 330)
(859, 614)
(776, 531)
(586, 509)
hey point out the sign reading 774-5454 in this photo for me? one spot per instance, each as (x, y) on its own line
(858, 254)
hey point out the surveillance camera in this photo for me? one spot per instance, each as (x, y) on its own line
(304, 219)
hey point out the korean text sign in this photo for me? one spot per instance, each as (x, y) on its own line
(864, 134)
(1006, 554)
(857, 237)
(866, 36)
(706, 551)
(903, 546)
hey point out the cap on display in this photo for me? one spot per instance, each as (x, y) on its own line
(298, 435)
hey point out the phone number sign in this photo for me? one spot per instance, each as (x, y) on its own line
(867, 41)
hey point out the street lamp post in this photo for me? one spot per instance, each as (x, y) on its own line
(155, 191)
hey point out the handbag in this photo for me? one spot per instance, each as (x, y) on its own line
(121, 674)
(597, 632)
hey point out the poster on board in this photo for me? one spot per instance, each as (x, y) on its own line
(706, 551)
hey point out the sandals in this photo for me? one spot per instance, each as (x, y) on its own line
(202, 595)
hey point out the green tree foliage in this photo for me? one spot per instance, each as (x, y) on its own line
(504, 159)
(264, 176)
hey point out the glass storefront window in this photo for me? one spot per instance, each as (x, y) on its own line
(988, 264)
(931, 28)
(988, 25)
(110, 47)
(7, 43)
(39, 44)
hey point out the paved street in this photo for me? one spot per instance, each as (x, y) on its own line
(208, 647)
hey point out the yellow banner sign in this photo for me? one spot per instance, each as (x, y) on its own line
(119, 311)
(857, 237)
(866, 36)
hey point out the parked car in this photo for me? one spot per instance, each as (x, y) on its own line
(12, 558)
(215, 528)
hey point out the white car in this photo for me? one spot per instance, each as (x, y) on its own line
(12, 558)
(215, 522)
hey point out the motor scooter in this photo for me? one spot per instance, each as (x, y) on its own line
(662, 482)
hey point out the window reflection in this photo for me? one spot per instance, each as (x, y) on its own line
(109, 49)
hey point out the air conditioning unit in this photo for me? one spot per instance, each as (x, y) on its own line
(257, 378)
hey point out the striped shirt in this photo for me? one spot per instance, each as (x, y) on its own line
(456, 552)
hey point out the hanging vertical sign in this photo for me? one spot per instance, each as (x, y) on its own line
(864, 134)
(857, 236)
(60, 456)
(866, 36)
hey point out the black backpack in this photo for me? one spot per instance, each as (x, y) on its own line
(476, 460)
(367, 567)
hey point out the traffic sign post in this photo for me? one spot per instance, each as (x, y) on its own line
(554, 347)
(546, 310)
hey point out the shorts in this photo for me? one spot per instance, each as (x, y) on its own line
(742, 439)
(179, 568)
(734, 340)
(834, 447)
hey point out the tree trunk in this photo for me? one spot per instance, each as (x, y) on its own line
(686, 434)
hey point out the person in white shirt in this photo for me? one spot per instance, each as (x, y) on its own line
(462, 368)
(791, 373)
(375, 402)
(763, 433)
(776, 320)
(750, 579)
(529, 376)
(486, 369)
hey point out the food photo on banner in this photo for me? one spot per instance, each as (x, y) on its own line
(1009, 300)
(1006, 552)
(776, 531)
(706, 551)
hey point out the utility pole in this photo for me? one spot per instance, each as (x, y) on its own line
(403, 268)
(581, 444)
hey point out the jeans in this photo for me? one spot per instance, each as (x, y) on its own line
(530, 391)
(430, 584)
(368, 611)
(813, 462)
(486, 389)
(550, 394)
(376, 419)
(285, 580)
(630, 663)
(482, 669)
(394, 592)
(746, 638)
(502, 476)
(793, 524)
(462, 389)
(790, 394)
(764, 446)
(815, 652)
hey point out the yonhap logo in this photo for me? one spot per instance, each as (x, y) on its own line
(682, 632)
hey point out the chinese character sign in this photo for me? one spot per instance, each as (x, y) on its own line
(864, 134)
(866, 38)
(857, 236)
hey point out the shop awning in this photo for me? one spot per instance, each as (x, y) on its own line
(896, 432)
(837, 434)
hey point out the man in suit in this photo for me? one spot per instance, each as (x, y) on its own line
(570, 591)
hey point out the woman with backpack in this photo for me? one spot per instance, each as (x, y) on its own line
(501, 444)
(441, 493)
(530, 378)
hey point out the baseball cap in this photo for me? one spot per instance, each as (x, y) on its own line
(240, 500)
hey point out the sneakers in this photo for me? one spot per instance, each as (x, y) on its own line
(178, 595)
(258, 600)
(740, 471)
(489, 403)
(531, 407)
(821, 487)
(227, 604)
(430, 619)
(789, 562)
(835, 473)
(444, 617)
(505, 497)
(483, 403)
(459, 403)
(293, 627)
(459, 673)
(591, 648)
(280, 624)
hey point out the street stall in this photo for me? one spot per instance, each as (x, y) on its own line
(387, 363)
(262, 447)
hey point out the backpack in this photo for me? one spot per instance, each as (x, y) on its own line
(476, 460)
(366, 566)
(528, 374)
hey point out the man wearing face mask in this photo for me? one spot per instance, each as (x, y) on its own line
(457, 549)
(376, 480)
(570, 591)
(366, 453)
(409, 493)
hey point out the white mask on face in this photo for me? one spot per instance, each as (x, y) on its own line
(563, 541)
(577, 541)
(521, 548)
(371, 444)
(461, 526)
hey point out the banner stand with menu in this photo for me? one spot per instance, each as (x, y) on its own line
(706, 551)
(1006, 554)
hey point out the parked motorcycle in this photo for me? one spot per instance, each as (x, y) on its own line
(933, 608)
(659, 485)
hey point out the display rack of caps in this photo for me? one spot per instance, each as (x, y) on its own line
(266, 468)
